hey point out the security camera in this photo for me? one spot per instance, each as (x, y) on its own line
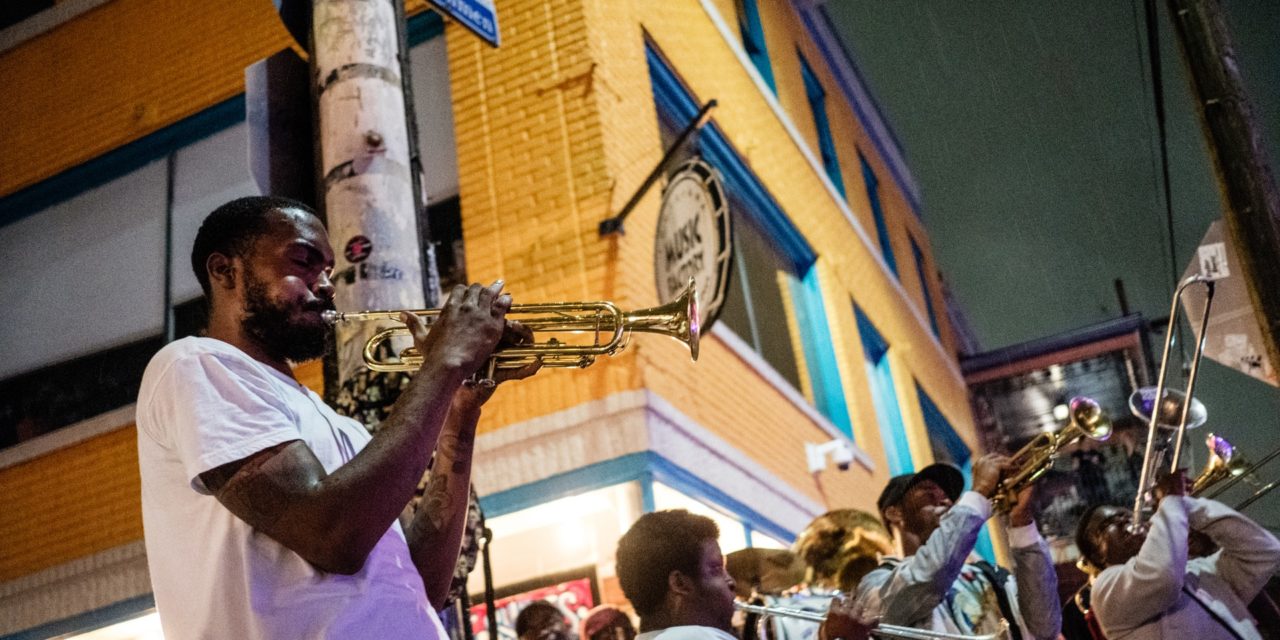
(841, 454)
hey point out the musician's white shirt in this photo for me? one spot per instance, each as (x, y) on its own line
(1161, 593)
(687, 632)
(204, 403)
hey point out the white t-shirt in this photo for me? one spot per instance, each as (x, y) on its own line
(687, 632)
(204, 403)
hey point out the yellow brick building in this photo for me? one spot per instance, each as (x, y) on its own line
(127, 127)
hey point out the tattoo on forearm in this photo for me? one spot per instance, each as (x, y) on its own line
(456, 449)
(436, 501)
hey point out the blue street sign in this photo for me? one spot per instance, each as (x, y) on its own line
(477, 15)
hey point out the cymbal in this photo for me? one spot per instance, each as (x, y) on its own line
(764, 570)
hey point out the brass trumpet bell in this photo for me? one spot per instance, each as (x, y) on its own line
(1087, 420)
(566, 334)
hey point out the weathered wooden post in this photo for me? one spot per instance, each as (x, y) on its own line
(1251, 206)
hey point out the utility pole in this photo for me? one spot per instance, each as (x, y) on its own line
(368, 179)
(1250, 201)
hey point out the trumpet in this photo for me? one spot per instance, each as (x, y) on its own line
(558, 324)
(880, 630)
(1087, 420)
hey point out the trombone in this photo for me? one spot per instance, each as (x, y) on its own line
(556, 323)
(1160, 400)
(880, 630)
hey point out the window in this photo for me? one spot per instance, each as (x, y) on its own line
(820, 359)
(753, 40)
(753, 303)
(947, 446)
(883, 395)
(924, 285)
(818, 105)
(773, 262)
(877, 212)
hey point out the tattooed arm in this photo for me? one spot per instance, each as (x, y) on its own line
(334, 520)
(435, 532)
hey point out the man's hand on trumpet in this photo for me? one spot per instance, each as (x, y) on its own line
(469, 326)
(987, 472)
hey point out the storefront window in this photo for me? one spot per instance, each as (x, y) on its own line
(143, 627)
(562, 534)
(733, 535)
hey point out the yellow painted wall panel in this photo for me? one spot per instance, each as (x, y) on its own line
(120, 72)
(70, 503)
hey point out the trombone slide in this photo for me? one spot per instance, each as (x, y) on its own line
(881, 630)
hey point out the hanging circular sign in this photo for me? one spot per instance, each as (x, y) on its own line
(694, 238)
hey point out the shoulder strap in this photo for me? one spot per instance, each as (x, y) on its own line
(1212, 614)
(998, 577)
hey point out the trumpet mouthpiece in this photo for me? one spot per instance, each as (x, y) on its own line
(332, 317)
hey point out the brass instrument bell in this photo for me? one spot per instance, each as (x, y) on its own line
(1087, 419)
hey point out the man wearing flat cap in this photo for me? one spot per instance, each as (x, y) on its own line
(933, 585)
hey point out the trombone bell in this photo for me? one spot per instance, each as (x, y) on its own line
(1143, 401)
(566, 334)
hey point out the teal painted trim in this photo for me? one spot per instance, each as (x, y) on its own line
(819, 357)
(423, 27)
(88, 620)
(863, 111)
(647, 502)
(691, 485)
(645, 467)
(632, 466)
(941, 432)
(877, 211)
(893, 434)
(818, 106)
(752, 31)
(120, 161)
(924, 286)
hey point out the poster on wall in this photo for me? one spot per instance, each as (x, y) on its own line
(573, 592)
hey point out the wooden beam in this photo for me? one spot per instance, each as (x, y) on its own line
(1246, 184)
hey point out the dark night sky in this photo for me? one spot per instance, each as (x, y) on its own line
(1031, 129)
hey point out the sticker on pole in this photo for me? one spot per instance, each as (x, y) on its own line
(478, 16)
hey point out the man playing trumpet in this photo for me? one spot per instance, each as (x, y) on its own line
(267, 515)
(933, 586)
(1149, 587)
